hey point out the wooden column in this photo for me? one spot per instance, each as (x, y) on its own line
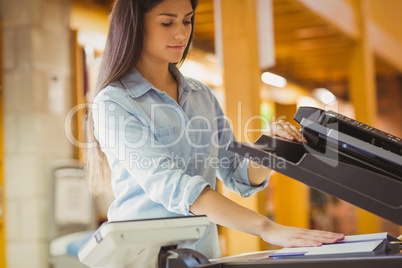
(78, 92)
(239, 51)
(362, 91)
(290, 198)
(2, 189)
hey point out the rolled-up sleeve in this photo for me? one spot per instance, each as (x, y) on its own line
(127, 140)
(234, 174)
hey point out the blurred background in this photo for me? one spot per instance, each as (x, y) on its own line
(260, 57)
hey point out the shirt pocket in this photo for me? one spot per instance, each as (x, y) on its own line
(170, 138)
(204, 138)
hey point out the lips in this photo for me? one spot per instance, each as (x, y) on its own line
(177, 47)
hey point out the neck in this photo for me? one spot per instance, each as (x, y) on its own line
(157, 74)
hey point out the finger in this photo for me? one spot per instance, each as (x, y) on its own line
(297, 132)
(324, 237)
(327, 237)
(329, 234)
(305, 243)
(282, 130)
(291, 130)
(274, 128)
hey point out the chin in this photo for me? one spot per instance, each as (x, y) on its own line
(175, 60)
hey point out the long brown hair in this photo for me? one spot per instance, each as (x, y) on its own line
(122, 53)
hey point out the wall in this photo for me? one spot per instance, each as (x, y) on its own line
(36, 71)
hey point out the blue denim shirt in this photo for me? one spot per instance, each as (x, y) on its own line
(162, 154)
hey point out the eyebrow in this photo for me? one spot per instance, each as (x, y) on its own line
(175, 15)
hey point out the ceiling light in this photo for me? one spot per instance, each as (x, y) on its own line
(273, 79)
(324, 95)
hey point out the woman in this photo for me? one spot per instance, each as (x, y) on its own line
(164, 135)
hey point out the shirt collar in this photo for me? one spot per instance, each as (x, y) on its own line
(137, 85)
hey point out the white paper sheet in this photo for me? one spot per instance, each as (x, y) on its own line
(351, 244)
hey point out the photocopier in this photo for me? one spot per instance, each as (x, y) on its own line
(342, 157)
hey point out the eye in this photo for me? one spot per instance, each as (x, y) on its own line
(166, 24)
(187, 22)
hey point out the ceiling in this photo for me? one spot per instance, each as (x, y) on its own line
(309, 51)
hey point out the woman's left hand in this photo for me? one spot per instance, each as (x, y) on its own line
(286, 130)
(286, 236)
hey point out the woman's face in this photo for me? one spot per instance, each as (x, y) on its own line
(167, 29)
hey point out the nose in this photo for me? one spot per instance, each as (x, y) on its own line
(181, 32)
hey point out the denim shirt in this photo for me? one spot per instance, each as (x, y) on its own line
(162, 154)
